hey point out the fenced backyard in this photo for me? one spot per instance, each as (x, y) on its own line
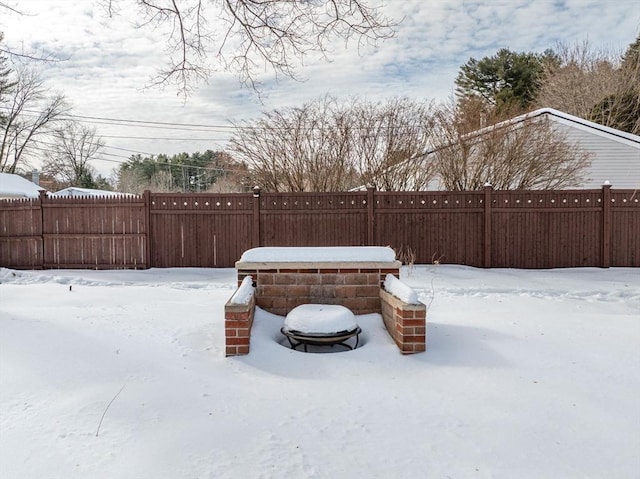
(518, 229)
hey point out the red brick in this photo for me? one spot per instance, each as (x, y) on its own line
(368, 291)
(237, 341)
(329, 270)
(274, 290)
(265, 302)
(243, 349)
(231, 316)
(393, 271)
(420, 313)
(414, 339)
(236, 324)
(265, 278)
(289, 270)
(355, 278)
(298, 290)
(231, 350)
(308, 278)
(230, 332)
(349, 270)
(407, 313)
(330, 278)
(420, 330)
(285, 278)
(413, 322)
(373, 278)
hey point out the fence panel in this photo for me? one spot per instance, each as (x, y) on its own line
(200, 230)
(625, 228)
(313, 219)
(21, 234)
(94, 232)
(546, 229)
(445, 227)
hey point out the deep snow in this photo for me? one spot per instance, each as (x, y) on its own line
(528, 374)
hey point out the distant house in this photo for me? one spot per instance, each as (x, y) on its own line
(16, 187)
(614, 154)
(74, 191)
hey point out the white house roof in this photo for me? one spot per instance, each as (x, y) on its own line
(74, 191)
(15, 186)
(575, 121)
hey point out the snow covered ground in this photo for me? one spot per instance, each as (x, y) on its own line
(121, 374)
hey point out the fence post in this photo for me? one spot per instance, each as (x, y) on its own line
(370, 215)
(606, 225)
(146, 196)
(41, 198)
(255, 227)
(488, 189)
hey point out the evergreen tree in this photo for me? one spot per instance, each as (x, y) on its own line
(505, 80)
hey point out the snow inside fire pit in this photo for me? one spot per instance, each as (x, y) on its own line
(320, 319)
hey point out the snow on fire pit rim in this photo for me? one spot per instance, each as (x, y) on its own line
(320, 319)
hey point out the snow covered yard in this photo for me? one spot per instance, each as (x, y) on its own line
(527, 374)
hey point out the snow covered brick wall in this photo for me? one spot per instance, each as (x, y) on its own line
(347, 276)
(238, 319)
(405, 322)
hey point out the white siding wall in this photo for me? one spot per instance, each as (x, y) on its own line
(615, 161)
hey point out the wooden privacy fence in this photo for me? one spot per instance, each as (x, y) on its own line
(518, 229)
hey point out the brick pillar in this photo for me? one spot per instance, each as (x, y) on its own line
(406, 323)
(238, 319)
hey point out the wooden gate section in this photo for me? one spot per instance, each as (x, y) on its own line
(94, 232)
(200, 230)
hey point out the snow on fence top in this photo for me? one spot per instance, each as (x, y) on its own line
(337, 254)
(244, 293)
(400, 290)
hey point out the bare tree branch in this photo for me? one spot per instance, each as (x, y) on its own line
(251, 36)
(68, 158)
(28, 112)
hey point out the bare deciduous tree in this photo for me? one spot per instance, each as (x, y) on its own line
(528, 154)
(593, 84)
(68, 159)
(388, 139)
(298, 149)
(249, 36)
(331, 146)
(29, 113)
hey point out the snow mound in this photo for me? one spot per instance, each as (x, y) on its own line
(320, 319)
(314, 254)
(244, 293)
(400, 290)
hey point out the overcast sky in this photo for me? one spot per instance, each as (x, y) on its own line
(110, 62)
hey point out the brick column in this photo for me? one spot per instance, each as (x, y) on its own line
(406, 323)
(238, 319)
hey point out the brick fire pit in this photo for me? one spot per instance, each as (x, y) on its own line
(353, 277)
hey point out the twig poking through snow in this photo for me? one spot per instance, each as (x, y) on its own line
(107, 408)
